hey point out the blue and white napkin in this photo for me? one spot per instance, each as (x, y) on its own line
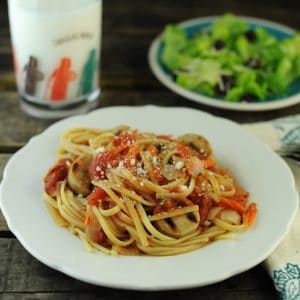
(284, 263)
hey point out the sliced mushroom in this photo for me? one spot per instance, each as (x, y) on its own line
(231, 216)
(197, 142)
(181, 225)
(78, 178)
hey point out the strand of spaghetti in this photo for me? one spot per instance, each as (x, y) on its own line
(174, 183)
(114, 229)
(114, 178)
(65, 214)
(107, 230)
(173, 213)
(195, 241)
(72, 217)
(131, 194)
(132, 232)
(84, 240)
(149, 226)
(148, 166)
(228, 193)
(101, 140)
(225, 236)
(49, 200)
(168, 156)
(66, 204)
(92, 244)
(110, 212)
(137, 222)
(54, 212)
(72, 147)
(152, 141)
(72, 204)
(126, 174)
(123, 217)
(81, 137)
(105, 186)
(228, 226)
(215, 186)
(175, 241)
(162, 252)
(183, 194)
(77, 219)
(227, 183)
(126, 251)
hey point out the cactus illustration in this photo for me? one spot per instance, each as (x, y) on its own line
(60, 79)
(87, 74)
(32, 75)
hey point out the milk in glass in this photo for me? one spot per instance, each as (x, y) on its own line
(56, 47)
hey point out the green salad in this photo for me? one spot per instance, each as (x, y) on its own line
(230, 60)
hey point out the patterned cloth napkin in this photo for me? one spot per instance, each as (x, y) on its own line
(284, 263)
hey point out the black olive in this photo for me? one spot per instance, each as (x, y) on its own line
(158, 147)
(219, 44)
(173, 76)
(170, 161)
(250, 35)
(224, 85)
(253, 63)
(249, 98)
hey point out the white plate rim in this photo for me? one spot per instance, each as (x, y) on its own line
(210, 101)
(137, 285)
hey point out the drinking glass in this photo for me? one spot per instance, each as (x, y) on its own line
(56, 50)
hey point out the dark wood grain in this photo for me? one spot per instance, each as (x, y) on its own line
(3, 226)
(86, 295)
(17, 130)
(24, 274)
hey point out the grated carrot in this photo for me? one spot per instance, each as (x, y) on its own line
(230, 203)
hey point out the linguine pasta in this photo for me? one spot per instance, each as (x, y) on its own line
(125, 192)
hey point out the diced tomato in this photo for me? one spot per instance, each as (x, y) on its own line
(131, 156)
(152, 149)
(96, 196)
(124, 139)
(93, 229)
(56, 174)
(85, 142)
(204, 202)
(183, 149)
(160, 179)
(99, 165)
(209, 163)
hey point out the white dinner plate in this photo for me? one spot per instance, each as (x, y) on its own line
(292, 96)
(257, 168)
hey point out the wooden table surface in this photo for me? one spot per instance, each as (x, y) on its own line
(128, 28)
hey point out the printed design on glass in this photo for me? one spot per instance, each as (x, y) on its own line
(32, 75)
(289, 129)
(287, 282)
(87, 74)
(59, 80)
